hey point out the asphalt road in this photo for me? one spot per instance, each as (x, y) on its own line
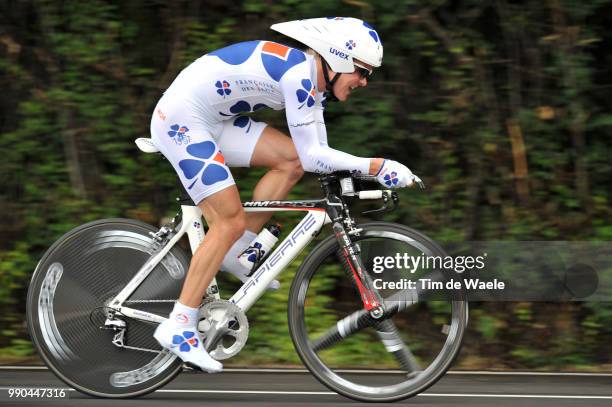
(269, 387)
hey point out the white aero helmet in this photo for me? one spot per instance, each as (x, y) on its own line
(338, 40)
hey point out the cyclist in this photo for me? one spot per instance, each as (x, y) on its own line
(199, 126)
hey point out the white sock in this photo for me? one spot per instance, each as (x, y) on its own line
(231, 264)
(230, 261)
(184, 315)
(180, 335)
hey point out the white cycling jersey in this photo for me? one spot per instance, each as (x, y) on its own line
(207, 101)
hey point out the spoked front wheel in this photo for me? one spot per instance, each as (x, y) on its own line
(367, 359)
(68, 301)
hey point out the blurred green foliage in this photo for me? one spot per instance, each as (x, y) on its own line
(501, 107)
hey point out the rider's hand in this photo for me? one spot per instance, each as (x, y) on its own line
(395, 175)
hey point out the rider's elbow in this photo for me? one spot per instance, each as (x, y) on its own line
(313, 161)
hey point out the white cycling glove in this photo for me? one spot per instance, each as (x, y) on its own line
(395, 175)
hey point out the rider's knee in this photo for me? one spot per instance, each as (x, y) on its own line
(293, 168)
(297, 171)
(230, 226)
(235, 226)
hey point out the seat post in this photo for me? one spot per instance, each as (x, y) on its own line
(184, 198)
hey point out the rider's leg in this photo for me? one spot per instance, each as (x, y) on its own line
(226, 222)
(225, 218)
(185, 137)
(247, 143)
(275, 151)
(269, 149)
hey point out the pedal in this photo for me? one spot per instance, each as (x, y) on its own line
(193, 367)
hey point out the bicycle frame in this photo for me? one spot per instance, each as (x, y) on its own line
(256, 285)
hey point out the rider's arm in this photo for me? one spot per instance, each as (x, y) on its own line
(375, 163)
(319, 108)
(315, 155)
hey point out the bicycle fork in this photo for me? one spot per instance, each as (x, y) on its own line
(349, 256)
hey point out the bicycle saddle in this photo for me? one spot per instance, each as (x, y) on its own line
(146, 145)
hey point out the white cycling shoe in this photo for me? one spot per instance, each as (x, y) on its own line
(185, 342)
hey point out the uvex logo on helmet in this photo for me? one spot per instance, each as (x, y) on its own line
(338, 53)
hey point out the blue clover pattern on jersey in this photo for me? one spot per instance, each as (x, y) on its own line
(178, 134)
(242, 122)
(213, 172)
(236, 54)
(277, 65)
(239, 107)
(391, 179)
(243, 107)
(350, 44)
(372, 33)
(186, 341)
(306, 95)
(223, 88)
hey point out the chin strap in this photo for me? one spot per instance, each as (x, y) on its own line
(329, 85)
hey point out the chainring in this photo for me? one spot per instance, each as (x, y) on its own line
(224, 328)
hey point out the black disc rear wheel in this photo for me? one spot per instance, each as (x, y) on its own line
(66, 307)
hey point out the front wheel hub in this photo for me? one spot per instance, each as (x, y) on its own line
(377, 312)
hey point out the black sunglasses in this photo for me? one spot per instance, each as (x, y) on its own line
(363, 71)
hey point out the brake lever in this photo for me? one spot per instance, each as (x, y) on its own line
(395, 198)
(418, 181)
(385, 207)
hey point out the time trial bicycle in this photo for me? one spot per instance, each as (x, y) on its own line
(100, 290)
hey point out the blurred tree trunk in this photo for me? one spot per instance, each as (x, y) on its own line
(48, 18)
(72, 152)
(569, 54)
(513, 41)
(519, 157)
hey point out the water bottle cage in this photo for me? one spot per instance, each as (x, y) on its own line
(259, 255)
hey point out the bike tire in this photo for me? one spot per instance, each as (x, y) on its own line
(333, 379)
(74, 279)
